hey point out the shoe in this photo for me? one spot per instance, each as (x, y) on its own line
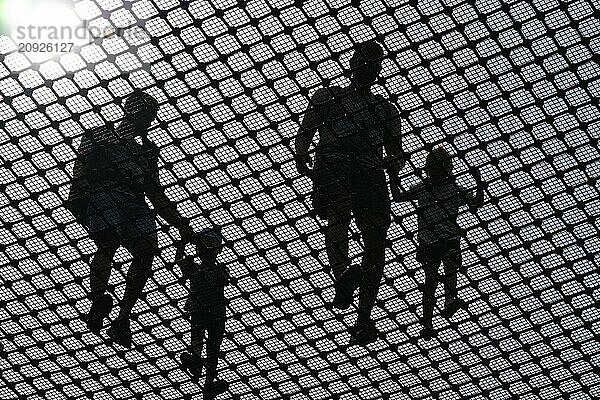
(345, 287)
(453, 307)
(364, 333)
(100, 309)
(191, 363)
(120, 333)
(214, 389)
(427, 332)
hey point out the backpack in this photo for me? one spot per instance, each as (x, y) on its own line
(89, 152)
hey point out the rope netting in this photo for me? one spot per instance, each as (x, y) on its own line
(510, 87)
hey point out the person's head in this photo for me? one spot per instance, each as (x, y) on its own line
(438, 163)
(209, 243)
(140, 109)
(365, 63)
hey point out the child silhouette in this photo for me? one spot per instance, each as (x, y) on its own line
(439, 198)
(206, 305)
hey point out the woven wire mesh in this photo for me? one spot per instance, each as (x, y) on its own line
(510, 86)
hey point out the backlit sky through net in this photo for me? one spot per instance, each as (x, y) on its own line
(510, 87)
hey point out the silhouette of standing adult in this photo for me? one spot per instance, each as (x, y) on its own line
(112, 175)
(354, 126)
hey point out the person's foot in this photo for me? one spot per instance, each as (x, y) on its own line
(215, 388)
(453, 306)
(363, 333)
(427, 332)
(120, 332)
(345, 287)
(100, 309)
(191, 363)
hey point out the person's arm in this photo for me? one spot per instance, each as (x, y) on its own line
(395, 158)
(408, 195)
(80, 184)
(476, 200)
(185, 262)
(219, 273)
(165, 208)
(226, 275)
(310, 124)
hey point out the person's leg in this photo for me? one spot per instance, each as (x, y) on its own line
(100, 266)
(197, 339)
(373, 227)
(431, 280)
(216, 332)
(100, 269)
(142, 250)
(346, 277)
(192, 361)
(331, 200)
(336, 238)
(452, 261)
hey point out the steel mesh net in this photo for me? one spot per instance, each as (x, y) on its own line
(511, 87)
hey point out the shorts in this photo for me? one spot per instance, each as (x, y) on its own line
(434, 253)
(127, 222)
(203, 319)
(337, 179)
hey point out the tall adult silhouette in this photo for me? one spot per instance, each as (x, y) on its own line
(354, 125)
(111, 177)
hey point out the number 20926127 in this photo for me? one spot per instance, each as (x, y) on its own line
(45, 47)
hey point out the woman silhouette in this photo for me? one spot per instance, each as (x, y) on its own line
(111, 177)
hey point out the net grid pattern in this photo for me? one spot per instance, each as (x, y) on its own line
(510, 86)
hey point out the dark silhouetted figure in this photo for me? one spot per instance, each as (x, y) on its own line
(438, 201)
(112, 175)
(206, 305)
(354, 127)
